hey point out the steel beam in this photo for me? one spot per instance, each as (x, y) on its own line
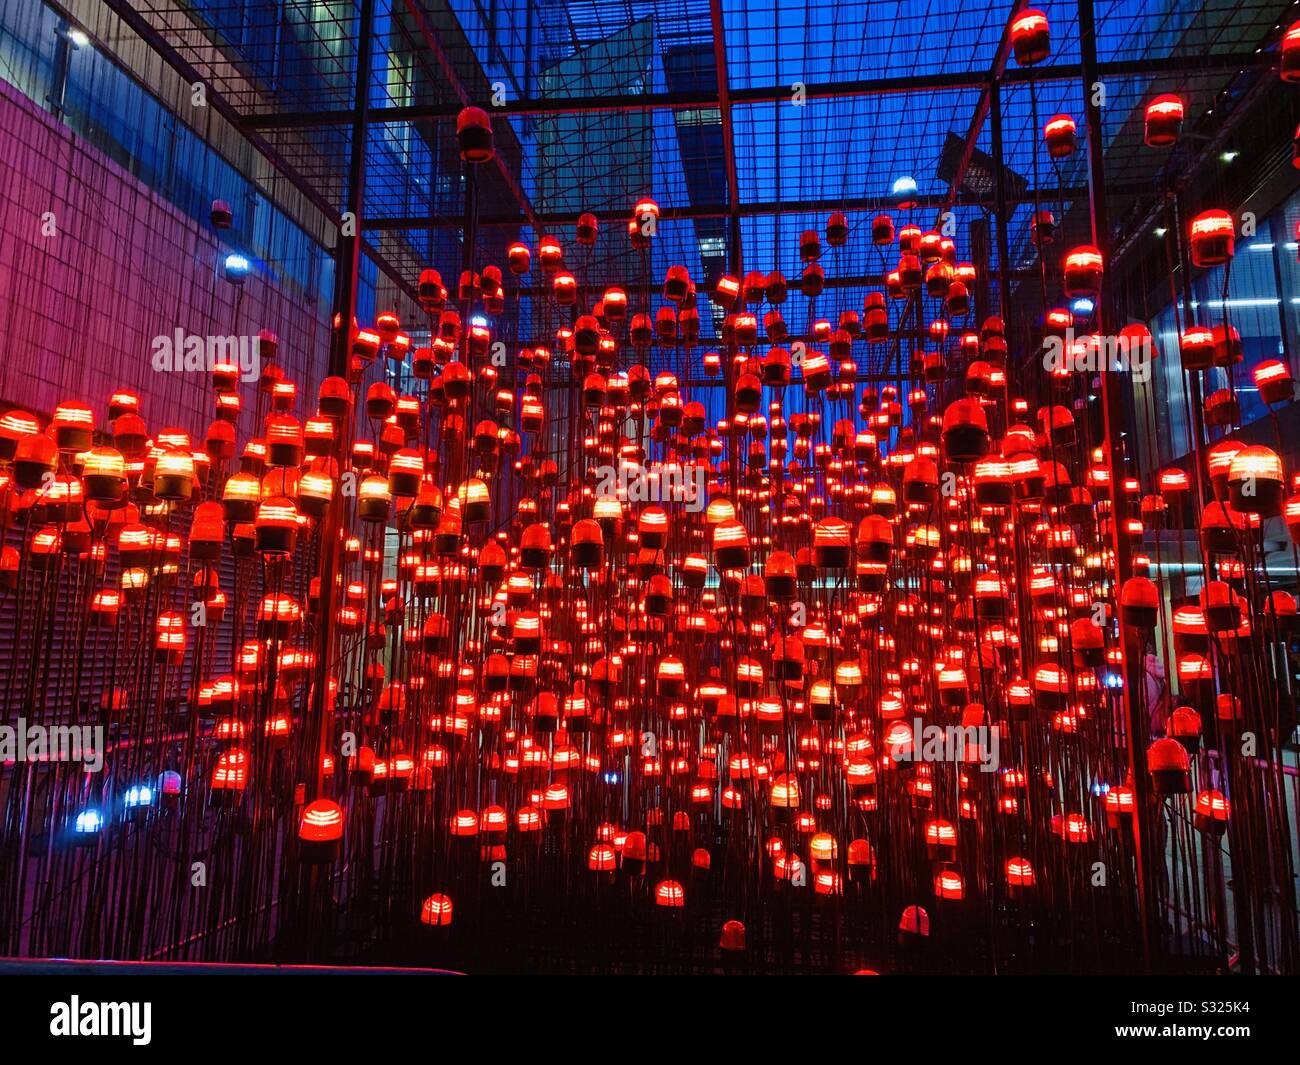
(977, 120)
(677, 101)
(728, 135)
(398, 223)
(347, 253)
(1001, 217)
(347, 270)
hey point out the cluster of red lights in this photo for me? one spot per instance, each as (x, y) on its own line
(409, 602)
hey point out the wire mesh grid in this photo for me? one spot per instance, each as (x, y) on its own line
(601, 103)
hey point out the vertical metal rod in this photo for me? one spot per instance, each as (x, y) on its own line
(347, 252)
(1197, 439)
(459, 471)
(1000, 198)
(737, 259)
(728, 131)
(982, 105)
(1113, 409)
(1196, 426)
(1283, 330)
(347, 263)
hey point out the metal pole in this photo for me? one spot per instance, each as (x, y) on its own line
(1000, 199)
(347, 263)
(728, 133)
(1113, 409)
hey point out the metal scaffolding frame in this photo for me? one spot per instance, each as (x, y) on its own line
(682, 101)
(309, 146)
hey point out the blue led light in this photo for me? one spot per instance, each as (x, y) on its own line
(138, 795)
(1082, 306)
(236, 267)
(89, 821)
(904, 188)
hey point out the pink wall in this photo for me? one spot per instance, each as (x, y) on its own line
(78, 310)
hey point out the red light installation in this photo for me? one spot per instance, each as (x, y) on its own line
(1030, 37)
(633, 628)
(1212, 237)
(1164, 121)
(1289, 68)
(1060, 136)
